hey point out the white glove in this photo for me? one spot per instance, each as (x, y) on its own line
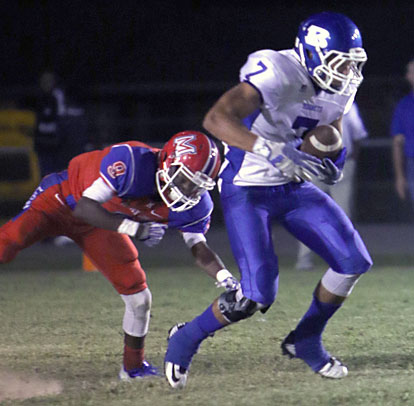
(226, 280)
(285, 156)
(151, 233)
(328, 173)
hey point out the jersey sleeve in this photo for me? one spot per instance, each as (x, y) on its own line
(201, 226)
(263, 73)
(118, 169)
(195, 220)
(99, 191)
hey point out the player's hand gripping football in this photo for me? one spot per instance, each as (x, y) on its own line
(299, 159)
(287, 157)
(150, 233)
(331, 172)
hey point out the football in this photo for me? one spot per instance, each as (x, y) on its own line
(324, 141)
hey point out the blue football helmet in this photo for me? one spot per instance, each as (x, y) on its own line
(329, 46)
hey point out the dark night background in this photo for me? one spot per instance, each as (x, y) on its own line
(96, 42)
(147, 69)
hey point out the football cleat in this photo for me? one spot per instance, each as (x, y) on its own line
(288, 345)
(333, 369)
(175, 374)
(147, 370)
(174, 329)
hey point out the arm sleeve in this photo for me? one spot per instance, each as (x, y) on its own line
(99, 191)
(192, 239)
(200, 226)
(195, 220)
(118, 169)
(261, 73)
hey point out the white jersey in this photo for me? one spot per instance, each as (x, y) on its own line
(291, 104)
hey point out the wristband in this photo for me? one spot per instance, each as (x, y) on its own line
(129, 227)
(222, 275)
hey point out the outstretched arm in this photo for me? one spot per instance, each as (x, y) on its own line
(209, 261)
(225, 122)
(224, 119)
(90, 210)
(89, 207)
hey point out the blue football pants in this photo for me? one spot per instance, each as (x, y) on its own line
(306, 212)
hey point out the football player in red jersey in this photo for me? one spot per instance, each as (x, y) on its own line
(127, 190)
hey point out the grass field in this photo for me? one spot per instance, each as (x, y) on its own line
(60, 323)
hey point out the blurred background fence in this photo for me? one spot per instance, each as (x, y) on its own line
(152, 112)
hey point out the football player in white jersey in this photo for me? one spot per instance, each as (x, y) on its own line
(264, 178)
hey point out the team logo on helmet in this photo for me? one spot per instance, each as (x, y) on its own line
(317, 36)
(183, 145)
(189, 162)
(329, 47)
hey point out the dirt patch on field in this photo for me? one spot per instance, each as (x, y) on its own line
(15, 386)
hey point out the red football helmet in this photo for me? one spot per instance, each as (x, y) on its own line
(189, 163)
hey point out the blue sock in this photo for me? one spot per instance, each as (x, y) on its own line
(185, 342)
(207, 321)
(308, 334)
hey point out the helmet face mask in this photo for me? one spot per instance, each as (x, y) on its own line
(189, 163)
(340, 72)
(329, 46)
